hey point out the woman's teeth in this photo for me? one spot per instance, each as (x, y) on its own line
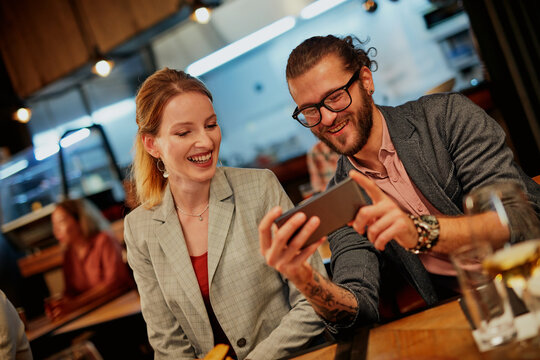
(200, 158)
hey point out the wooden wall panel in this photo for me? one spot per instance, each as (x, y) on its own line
(41, 41)
(148, 13)
(57, 44)
(110, 22)
(24, 76)
(114, 22)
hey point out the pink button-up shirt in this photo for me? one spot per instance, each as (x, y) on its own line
(395, 182)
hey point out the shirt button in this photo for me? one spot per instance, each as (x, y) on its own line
(241, 342)
(394, 179)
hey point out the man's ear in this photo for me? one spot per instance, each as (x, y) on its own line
(366, 78)
(149, 142)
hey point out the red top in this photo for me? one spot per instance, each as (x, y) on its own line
(102, 265)
(200, 265)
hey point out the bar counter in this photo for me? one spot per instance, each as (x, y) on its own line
(441, 332)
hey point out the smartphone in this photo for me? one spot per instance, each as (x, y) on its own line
(335, 207)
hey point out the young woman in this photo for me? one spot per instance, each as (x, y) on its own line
(192, 244)
(93, 265)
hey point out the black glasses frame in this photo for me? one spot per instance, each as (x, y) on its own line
(321, 103)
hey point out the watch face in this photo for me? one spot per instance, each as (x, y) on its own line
(431, 224)
(430, 219)
(428, 232)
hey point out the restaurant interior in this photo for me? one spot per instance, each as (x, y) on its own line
(67, 131)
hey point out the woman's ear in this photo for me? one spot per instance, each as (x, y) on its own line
(150, 145)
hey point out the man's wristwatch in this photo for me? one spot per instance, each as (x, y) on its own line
(427, 227)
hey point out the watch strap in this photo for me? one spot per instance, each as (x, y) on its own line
(427, 227)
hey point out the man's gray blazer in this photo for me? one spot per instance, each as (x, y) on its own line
(448, 146)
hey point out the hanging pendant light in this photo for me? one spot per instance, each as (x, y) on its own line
(202, 10)
(370, 6)
(22, 115)
(201, 15)
(103, 67)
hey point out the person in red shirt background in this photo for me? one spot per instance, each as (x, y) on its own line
(93, 265)
(321, 163)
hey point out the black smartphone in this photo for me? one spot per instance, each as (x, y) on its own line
(335, 207)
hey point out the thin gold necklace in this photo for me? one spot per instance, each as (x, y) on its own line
(194, 215)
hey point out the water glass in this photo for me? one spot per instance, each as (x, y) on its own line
(485, 296)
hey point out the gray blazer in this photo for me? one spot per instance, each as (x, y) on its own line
(262, 314)
(13, 342)
(449, 146)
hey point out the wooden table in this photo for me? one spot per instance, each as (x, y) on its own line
(441, 332)
(125, 305)
(114, 306)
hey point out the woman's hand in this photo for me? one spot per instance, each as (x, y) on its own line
(288, 257)
(56, 307)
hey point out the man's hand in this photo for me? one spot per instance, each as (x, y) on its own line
(384, 219)
(289, 258)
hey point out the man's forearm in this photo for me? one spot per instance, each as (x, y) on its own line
(330, 301)
(457, 231)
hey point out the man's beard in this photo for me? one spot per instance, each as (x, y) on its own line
(363, 127)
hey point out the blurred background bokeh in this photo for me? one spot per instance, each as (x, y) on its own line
(76, 140)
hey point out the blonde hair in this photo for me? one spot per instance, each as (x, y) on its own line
(87, 215)
(152, 97)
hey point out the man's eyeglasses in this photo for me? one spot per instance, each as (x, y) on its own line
(338, 100)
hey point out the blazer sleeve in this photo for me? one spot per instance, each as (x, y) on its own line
(301, 324)
(477, 146)
(13, 341)
(164, 333)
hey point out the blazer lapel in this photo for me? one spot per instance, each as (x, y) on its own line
(171, 239)
(221, 212)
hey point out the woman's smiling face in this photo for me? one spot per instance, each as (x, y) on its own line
(188, 139)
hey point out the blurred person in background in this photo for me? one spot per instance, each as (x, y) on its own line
(13, 342)
(192, 244)
(321, 163)
(93, 266)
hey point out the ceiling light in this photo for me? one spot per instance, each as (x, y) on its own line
(45, 151)
(13, 168)
(103, 67)
(241, 46)
(74, 137)
(201, 15)
(22, 115)
(318, 7)
(370, 6)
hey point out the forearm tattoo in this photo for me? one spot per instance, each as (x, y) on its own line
(332, 302)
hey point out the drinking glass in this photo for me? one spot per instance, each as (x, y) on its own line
(519, 260)
(485, 295)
